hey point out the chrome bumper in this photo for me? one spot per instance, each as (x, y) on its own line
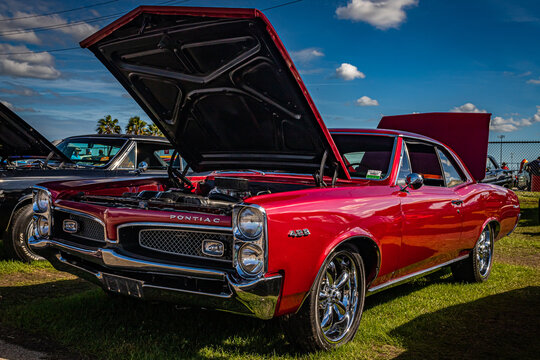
(256, 298)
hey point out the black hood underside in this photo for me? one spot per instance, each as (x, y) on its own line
(220, 88)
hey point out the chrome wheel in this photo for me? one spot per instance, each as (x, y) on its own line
(484, 252)
(337, 297)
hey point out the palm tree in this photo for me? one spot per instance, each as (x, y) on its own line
(154, 130)
(108, 126)
(136, 126)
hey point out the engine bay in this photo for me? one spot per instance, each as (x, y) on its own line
(216, 196)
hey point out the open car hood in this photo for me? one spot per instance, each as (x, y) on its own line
(220, 85)
(17, 138)
(465, 133)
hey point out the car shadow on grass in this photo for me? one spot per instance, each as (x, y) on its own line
(529, 217)
(83, 318)
(501, 326)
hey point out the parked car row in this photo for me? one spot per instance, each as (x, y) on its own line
(77, 157)
(281, 216)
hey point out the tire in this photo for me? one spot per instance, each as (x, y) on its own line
(16, 238)
(331, 314)
(477, 267)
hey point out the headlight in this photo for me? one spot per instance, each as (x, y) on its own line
(41, 201)
(251, 259)
(250, 222)
(42, 227)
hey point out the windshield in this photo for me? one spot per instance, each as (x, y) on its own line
(89, 151)
(366, 156)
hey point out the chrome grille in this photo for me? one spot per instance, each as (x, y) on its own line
(88, 228)
(182, 242)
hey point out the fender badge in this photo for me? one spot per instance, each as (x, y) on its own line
(299, 233)
(70, 226)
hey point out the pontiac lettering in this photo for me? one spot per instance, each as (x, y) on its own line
(195, 218)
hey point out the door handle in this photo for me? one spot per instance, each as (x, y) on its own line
(457, 202)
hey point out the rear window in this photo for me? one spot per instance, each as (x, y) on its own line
(366, 156)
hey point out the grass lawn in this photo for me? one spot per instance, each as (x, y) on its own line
(432, 317)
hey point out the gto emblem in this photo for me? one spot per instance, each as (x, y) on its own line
(299, 233)
(70, 226)
(195, 218)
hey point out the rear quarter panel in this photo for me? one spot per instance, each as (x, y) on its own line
(485, 203)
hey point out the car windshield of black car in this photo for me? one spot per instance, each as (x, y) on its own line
(92, 152)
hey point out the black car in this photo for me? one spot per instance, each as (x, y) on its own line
(27, 158)
(497, 175)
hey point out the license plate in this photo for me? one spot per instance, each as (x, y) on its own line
(122, 285)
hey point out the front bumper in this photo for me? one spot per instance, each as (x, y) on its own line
(163, 282)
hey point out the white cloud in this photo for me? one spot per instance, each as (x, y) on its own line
(534, 81)
(383, 14)
(306, 55)
(15, 30)
(367, 101)
(467, 108)
(31, 65)
(499, 123)
(349, 72)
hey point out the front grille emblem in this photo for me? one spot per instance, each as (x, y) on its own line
(213, 248)
(70, 226)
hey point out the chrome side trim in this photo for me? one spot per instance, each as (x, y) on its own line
(409, 277)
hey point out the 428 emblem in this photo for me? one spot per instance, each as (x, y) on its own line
(299, 233)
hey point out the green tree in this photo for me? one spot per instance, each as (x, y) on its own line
(108, 126)
(154, 130)
(136, 126)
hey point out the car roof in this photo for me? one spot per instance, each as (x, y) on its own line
(381, 132)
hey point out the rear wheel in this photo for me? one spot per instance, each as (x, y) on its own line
(477, 267)
(16, 239)
(331, 314)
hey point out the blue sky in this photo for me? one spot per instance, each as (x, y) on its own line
(360, 59)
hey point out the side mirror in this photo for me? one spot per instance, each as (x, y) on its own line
(413, 181)
(143, 166)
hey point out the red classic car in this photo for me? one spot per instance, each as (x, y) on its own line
(281, 217)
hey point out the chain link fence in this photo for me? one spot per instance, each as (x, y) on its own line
(513, 152)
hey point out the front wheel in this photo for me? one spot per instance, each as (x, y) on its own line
(16, 239)
(331, 314)
(477, 267)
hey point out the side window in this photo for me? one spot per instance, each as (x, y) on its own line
(156, 155)
(129, 160)
(404, 167)
(452, 172)
(424, 161)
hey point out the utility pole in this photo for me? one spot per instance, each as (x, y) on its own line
(501, 137)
